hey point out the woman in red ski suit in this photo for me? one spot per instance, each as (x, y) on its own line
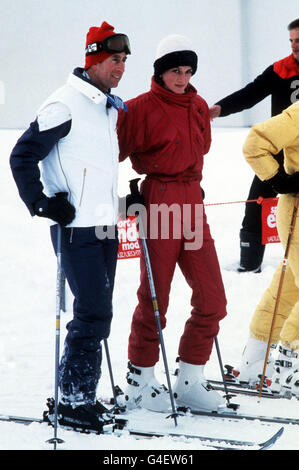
(166, 133)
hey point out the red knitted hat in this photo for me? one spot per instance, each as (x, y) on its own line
(96, 34)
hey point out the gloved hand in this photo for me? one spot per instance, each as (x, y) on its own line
(283, 183)
(127, 201)
(57, 208)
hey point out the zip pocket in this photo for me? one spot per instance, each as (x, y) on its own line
(83, 185)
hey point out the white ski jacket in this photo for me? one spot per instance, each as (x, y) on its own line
(84, 163)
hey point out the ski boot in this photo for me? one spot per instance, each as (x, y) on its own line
(295, 383)
(286, 373)
(251, 252)
(83, 418)
(144, 391)
(192, 390)
(251, 368)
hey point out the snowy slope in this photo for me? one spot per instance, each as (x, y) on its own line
(27, 292)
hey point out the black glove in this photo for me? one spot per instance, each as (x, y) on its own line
(57, 208)
(283, 183)
(127, 201)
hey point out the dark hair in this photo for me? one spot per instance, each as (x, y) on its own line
(294, 24)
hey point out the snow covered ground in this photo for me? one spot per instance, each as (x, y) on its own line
(28, 289)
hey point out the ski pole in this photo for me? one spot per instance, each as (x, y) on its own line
(110, 369)
(227, 395)
(59, 288)
(284, 266)
(135, 190)
(55, 440)
(116, 407)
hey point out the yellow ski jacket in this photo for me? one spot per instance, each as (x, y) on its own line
(268, 138)
(265, 140)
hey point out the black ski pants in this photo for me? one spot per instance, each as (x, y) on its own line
(89, 265)
(252, 221)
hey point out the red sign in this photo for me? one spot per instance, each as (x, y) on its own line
(128, 238)
(269, 229)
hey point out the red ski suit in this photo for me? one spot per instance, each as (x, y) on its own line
(166, 136)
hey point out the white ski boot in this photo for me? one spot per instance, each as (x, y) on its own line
(295, 384)
(286, 373)
(191, 389)
(144, 391)
(252, 363)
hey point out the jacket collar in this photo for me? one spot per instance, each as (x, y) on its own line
(86, 87)
(174, 98)
(287, 67)
(80, 80)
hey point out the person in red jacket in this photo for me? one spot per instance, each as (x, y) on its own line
(166, 133)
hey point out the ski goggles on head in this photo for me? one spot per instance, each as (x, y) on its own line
(113, 45)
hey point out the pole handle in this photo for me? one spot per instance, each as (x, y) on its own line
(134, 186)
(62, 194)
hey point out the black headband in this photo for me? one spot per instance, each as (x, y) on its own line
(175, 59)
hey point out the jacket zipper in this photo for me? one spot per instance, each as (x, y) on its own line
(83, 184)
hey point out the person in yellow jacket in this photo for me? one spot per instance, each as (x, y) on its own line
(263, 142)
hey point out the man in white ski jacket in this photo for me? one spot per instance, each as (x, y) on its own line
(74, 141)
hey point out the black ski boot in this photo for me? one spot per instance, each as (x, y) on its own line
(252, 252)
(83, 418)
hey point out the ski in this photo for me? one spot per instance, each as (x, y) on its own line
(233, 415)
(121, 426)
(20, 419)
(25, 420)
(224, 443)
(239, 389)
(233, 385)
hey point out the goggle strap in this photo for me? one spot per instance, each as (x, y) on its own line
(95, 47)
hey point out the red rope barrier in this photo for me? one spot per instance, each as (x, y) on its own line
(258, 201)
